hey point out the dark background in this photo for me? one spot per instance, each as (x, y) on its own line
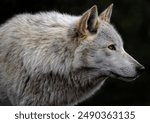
(130, 17)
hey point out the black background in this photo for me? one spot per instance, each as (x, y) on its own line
(130, 17)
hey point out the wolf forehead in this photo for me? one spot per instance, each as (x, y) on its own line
(109, 34)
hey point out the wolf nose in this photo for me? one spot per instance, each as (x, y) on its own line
(140, 70)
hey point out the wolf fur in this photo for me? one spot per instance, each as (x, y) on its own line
(51, 58)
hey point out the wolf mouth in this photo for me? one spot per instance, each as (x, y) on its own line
(123, 77)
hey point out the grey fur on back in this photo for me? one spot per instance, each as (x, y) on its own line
(46, 58)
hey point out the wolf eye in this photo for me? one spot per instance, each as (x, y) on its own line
(112, 47)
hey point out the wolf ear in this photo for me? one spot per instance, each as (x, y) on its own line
(89, 21)
(106, 14)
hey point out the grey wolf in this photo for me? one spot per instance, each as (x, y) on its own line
(51, 58)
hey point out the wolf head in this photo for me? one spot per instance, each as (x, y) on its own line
(101, 47)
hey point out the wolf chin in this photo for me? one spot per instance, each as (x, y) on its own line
(51, 58)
